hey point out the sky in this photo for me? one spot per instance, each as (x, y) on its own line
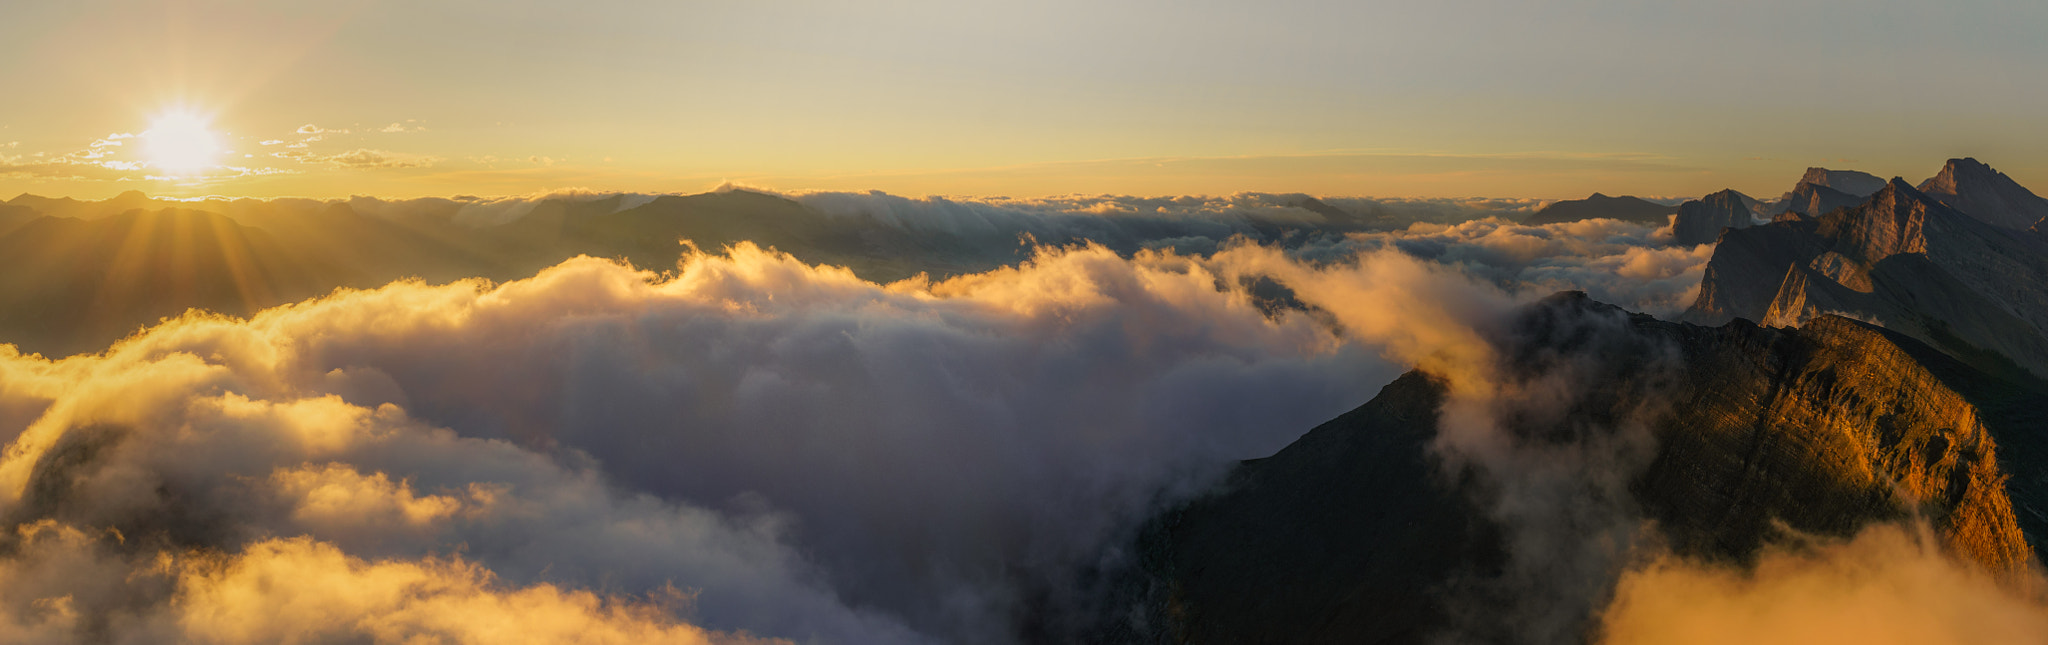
(1461, 98)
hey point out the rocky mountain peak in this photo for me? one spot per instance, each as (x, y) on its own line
(1894, 221)
(1982, 192)
(1701, 221)
(1860, 184)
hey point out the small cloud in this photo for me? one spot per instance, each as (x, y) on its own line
(396, 127)
(366, 158)
(269, 142)
(300, 144)
(314, 129)
(545, 161)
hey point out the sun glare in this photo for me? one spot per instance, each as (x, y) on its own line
(181, 144)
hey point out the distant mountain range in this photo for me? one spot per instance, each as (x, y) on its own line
(78, 275)
(1902, 259)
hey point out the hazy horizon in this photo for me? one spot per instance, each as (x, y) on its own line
(1461, 99)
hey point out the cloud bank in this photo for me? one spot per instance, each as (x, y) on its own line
(753, 447)
(793, 451)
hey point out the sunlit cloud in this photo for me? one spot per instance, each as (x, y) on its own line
(367, 158)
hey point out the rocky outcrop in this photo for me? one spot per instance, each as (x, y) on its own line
(1598, 206)
(1814, 200)
(1361, 532)
(1902, 260)
(1990, 196)
(1700, 221)
(1851, 182)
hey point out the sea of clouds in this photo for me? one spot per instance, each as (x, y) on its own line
(750, 448)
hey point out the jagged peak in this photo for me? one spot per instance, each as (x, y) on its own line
(1853, 182)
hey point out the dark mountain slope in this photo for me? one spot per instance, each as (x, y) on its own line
(1700, 221)
(1598, 206)
(1814, 200)
(1849, 182)
(1360, 533)
(1978, 190)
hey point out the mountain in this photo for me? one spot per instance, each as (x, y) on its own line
(85, 209)
(1598, 206)
(12, 216)
(1902, 259)
(1859, 184)
(1700, 221)
(1814, 200)
(1976, 189)
(366, 242)
(1360, 532)
(72, 285)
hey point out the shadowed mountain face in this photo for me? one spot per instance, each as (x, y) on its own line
(1363, 531)
(1902, 259)
(1814, 200)
(1976, 189)
(1849, 182)
(1598, 206)
(1700, 221)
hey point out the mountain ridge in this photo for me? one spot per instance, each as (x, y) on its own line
(1361, 532)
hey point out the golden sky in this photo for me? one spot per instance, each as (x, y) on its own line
(1456, 98)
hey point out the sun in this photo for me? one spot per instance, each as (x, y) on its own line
(181, 143)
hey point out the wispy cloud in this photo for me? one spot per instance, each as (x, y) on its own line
(367, 158)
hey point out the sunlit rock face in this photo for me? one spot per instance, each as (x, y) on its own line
(1700, 221)
(1368, 530)
(1986, 194)
(1901, 260)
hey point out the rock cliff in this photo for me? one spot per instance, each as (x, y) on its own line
(1700, 221)
(1851, 182)
(1978, 190)
(1902, 260)
(1362, 532)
